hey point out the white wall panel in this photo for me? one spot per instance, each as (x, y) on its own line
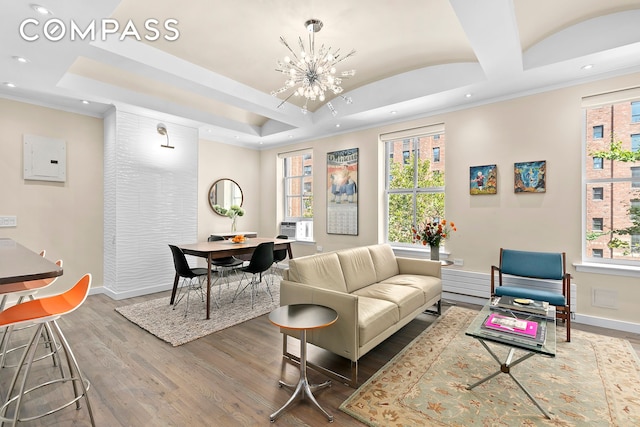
(155, 202)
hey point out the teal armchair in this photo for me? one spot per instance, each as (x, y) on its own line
(535, 265)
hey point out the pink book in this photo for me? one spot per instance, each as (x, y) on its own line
(511, 324)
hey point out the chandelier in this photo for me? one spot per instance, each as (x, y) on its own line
(311, 73)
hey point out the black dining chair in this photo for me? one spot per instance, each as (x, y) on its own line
(224, 266)
(261, 261)
(188, 274)
(279, 255)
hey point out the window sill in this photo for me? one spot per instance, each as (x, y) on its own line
(417, 251)
(305, 242)
(611, 269)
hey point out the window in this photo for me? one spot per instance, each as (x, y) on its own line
(298, 194)
(612, 178)
(634, 214)
(596, 224)
(635, 174)
(598, 193)
(436, 154)
(597, 132)
(598, 163)
(414, 186)
(405, 157)
(635, 112)
(635, 142)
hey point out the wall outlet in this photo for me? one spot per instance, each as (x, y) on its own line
(458, 261)
(8, 221)
(319, 248)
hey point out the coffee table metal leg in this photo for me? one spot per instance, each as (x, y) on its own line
(302, 389)
(505, 368)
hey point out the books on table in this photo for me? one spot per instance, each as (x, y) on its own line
(522, 330)
(524, 305)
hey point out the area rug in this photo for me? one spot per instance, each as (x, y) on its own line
(160, 319)
(593, 381)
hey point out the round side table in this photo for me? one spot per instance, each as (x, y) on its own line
(303, 317)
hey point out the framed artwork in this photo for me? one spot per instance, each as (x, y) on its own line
(530, 177)
(342, 192)
(483, 179)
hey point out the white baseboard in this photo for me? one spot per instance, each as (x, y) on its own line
(129, 294)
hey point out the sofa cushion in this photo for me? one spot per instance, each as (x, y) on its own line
(321, 270)
(384, 261)
(429, 285)
(374, 317)
(407, 298)
(357, 267)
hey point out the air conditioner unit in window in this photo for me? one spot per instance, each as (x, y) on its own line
(288, 229)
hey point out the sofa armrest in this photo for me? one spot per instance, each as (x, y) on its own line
(424, 267)
(341, 337)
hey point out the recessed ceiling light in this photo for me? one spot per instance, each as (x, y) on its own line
(468, 95)
(9, 84)
(41, 9)
(290, 136)
(337, 125)
(21, 59)
(587, 67)
(85, 102)
(394, 112)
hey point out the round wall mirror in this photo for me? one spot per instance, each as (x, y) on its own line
(223, 194)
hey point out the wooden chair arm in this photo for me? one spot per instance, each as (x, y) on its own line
(493, 270)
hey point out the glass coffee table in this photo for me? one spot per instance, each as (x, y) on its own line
(515, 342)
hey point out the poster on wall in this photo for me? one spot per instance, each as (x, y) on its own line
(484, 180)
(530, 177)
(342, 192)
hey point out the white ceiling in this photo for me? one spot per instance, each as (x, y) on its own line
(414, 58)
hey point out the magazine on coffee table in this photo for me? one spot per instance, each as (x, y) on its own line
(524, 305)
(521, 330)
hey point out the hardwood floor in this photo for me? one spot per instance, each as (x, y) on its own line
(225, 379)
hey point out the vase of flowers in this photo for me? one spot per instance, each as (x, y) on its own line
(234, 212)
(432, 233)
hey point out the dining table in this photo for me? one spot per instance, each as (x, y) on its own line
(20, 264)
(227, 248)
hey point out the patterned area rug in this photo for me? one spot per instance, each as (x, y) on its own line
(160, 319)
(594, 380)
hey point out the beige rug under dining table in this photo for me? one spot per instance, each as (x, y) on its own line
(226, 248)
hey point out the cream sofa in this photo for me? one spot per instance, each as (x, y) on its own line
(374, 292)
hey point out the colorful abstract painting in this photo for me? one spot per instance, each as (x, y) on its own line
(484, 179)
(530, 177)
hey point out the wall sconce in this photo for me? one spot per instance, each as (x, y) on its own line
(162, 130)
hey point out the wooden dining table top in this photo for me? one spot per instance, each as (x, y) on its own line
(20, 264)
(225, 248)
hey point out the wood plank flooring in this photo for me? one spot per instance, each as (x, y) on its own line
(225, 379)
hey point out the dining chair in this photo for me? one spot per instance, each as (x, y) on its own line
(41, 312)
(224, 266)
(279, 255)
(22, 290)
(187, 274)
(261, 261)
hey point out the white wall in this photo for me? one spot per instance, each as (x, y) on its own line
(545, 126)
(150, 202)
(242, 165)
(65, 218)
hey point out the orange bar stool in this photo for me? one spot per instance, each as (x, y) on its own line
(41, 312)
(22, 290)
